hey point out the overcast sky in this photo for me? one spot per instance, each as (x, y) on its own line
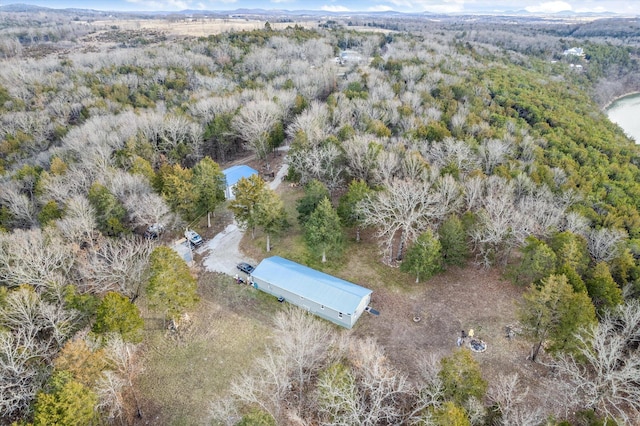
(439, 6)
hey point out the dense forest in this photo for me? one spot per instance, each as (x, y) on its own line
(449, 143)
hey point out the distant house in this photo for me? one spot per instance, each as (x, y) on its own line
(574, 51)
(349, 56)
(233, 175)
(327, 296)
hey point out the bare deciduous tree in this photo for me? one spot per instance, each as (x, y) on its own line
(401, 212)
(24, 309)
(32, 332)
(389, 166)
(147, 209)
(144, 206)
(93, 143)
(301, 348)
(509, 398)
(371, 393)
(321, 162)
(361, 154)
(431, 389)
(20, 377)
(78, 224)
(413, 167)
(498, 218)
(604, 243)
(508, 212)
(492, 153)
(76, 181)
(22, 208)
(263, 60)
(35, 257)
(36, 126)
(304, 341)
(473, 192)
(225, 412)
(313, 121)
(452, 152)
(175, 130)
(109, 389)
(267, 386)
(127, 366)
(117, 265)
(577, 224)
(253, 124)
(604, 375)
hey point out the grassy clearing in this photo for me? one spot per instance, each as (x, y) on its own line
(359, 262)
(202, 27)
(184, 374)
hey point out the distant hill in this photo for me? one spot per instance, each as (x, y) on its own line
(26, 8)
(18, 7)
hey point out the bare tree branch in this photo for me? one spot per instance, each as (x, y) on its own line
(35, 257)
(605, 376)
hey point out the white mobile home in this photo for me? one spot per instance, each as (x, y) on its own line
(327, 296)
(232, 175)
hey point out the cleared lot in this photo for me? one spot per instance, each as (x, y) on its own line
(200, 27)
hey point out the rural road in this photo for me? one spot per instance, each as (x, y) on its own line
(223, 250)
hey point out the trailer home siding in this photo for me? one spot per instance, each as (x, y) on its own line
(326, 296)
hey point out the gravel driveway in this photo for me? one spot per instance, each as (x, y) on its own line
(222, 252)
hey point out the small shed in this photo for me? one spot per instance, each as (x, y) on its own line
(327, 296)
(233, 175)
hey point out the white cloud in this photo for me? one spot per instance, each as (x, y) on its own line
(332, 8)
(549, 7)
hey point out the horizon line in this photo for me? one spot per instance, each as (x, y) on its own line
(512, 12)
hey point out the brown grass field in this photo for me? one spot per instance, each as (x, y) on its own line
(198, 27)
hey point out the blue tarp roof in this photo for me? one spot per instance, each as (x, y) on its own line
(324, 289)
(234, 173)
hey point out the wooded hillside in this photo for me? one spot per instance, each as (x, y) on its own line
(475, 144)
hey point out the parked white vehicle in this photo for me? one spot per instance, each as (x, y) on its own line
(193, 237)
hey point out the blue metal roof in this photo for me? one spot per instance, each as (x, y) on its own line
(324, 289)
(234, 173)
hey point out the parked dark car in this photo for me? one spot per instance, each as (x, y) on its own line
(245, 267)
(153, 231)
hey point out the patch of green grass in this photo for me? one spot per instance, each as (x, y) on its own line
(359, 262)
(241, 299)
(363, 266)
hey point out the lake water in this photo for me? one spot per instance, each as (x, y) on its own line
(626, 113)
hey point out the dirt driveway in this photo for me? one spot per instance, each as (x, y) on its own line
(222, 252)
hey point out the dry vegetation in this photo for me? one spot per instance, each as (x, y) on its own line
(198, 27)
(109, 118)
(187, 370)
(233, 323)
